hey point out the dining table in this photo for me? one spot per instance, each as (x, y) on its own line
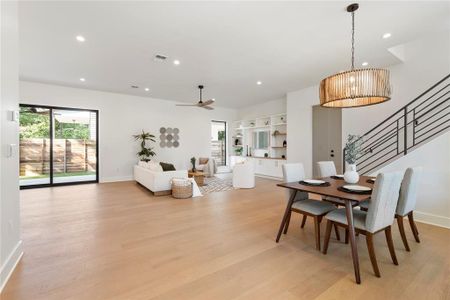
(333, 192)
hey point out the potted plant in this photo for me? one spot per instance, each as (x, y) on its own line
(193, 163)
(352, 151)
(238, 151)
(146, 153)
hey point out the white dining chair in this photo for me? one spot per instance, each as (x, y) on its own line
(406, 203)
(326, 168)
(294, 172)
(379, 216)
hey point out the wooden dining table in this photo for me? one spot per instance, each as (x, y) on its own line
(331, 191)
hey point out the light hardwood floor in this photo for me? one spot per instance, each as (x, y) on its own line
(116, 241)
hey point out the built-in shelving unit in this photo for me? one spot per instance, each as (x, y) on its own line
(276, 128)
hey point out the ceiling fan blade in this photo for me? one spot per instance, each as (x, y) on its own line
(208, 107)
(208, 102)
(186, 105)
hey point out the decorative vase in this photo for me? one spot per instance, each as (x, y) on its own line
(350, 175)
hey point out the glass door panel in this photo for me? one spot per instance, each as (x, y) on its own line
(34, 145)
(74, 145)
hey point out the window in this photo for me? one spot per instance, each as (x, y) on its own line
(219, 142)
(261, 139)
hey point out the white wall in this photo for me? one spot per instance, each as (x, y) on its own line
(121, 116)
(299, 126)
(10, 243)
(426, 62)
(273, 107)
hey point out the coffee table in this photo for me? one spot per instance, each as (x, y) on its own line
(199, 177)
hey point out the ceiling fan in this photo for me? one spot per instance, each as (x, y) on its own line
(203, 104)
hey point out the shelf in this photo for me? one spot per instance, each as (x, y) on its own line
(281, 133)
(258, 157)
(278, 147)
(279, 124)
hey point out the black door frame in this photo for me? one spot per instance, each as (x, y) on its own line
(226, 138)
(52, 184)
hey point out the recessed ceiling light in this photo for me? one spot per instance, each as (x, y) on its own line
(80, 38)
(176, 62)
(82, 79)
(147, 89)
(365, 63)
(386, 35)
(258, 82)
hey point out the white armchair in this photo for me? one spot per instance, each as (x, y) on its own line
(244, 175)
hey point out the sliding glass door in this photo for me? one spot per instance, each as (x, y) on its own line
(35, 145)
(58, 146)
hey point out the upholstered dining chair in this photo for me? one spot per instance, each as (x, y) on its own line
(406, 203)
(326, 168)
(294, 172)
(379, 217)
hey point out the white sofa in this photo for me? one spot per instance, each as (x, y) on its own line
(244, 175)
(157, 181)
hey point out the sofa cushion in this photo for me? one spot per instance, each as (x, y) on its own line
(154, 166)
(167, 167)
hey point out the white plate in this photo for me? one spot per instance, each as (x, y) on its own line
(314, 181)
(339, 175)
(359, 188)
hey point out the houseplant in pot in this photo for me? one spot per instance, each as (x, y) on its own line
(193, 163)
(352, 151)
(146, 153)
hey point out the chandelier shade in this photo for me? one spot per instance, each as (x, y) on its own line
(356, 87)
(359, 87)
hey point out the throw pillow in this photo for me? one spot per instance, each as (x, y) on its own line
(167, 167)
(202, 160)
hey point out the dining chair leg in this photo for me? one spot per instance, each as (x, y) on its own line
(286, 225)
(401, 228)
(390, 243)
(286, 213)
(303, 221)
(351, 234)
(346, 235)
(336, 231)
(317, 232)
(373, 258)
(413, 227)
(326, 241)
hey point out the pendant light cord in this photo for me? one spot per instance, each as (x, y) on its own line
(353, 40)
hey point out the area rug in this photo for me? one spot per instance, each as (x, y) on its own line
(215, 184)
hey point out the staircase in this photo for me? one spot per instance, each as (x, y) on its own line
(419, 121)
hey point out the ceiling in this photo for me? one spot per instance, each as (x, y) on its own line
(227, 46)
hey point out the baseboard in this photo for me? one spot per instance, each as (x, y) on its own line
(269, 177)
(115, 179)
(10, 264)
(432, 219)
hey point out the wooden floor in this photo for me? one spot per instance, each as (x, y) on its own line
(116, 241)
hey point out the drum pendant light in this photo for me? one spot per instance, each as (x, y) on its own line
(356, 87)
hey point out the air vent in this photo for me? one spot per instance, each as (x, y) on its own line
(134, 87)
(160, 57)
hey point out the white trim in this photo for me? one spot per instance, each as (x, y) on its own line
(10, 264)
(431, 219)
(269, 177)
(115, 179)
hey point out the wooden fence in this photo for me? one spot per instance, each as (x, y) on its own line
(69, 156)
